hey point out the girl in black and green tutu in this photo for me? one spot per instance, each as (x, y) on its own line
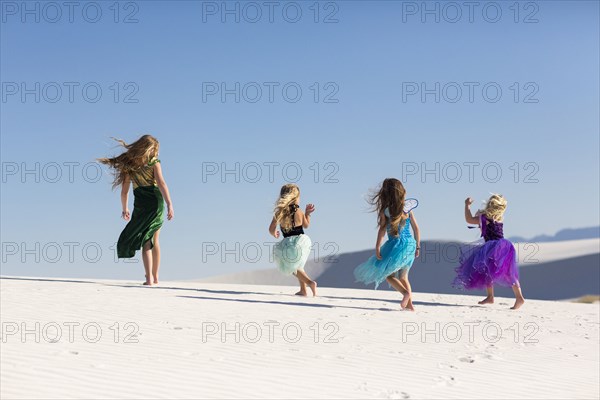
(139, 165)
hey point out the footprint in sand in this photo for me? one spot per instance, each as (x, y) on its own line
(445, 380)
(492, 351)
(393, 394)
(490, 356)
(444, 365)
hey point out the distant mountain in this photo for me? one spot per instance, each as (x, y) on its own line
(564, 234)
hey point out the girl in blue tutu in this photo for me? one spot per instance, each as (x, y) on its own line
(483, 265)
(393, 260)
(292, 252)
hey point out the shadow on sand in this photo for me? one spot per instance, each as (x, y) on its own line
(242, 293)
(285, 303)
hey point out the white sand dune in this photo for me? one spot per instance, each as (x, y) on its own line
(366, 347)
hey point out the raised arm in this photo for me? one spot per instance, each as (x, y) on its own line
(310, 208)
(164, 189)
(416, 232)
(125, 198)
(468, 216)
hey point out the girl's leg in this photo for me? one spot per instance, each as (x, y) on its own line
(407, 296)
(490, 296)
(156, 258)
(395, 283)
(399, 286)
(519, 297)
(147, 259)
(301, 275)
(302, 291)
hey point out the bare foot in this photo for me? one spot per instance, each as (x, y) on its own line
(518, 303)
(409, 306)
(313, 288)
(487, 300)
(403, 293)
(301, 293)
(405, 300)
(149, 281)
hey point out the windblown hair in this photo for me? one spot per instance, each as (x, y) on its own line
(288, 196)
(137, 155)
(391, 195)
(495, 207)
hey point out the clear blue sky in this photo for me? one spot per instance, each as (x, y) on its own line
(371, 57)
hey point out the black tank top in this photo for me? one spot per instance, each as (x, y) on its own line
(296, 230)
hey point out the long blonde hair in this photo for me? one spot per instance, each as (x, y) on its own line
(391, 195)
(137, 155)
(288, 196)
(495, 207)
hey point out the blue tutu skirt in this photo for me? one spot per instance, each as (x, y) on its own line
(398, 253)
(486, 264)
(291, 253)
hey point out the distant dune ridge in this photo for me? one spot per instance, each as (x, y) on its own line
(564, 234)
(548, 271)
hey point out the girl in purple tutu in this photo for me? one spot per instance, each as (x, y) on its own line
(493, 262)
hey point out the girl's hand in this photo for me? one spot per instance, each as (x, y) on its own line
(378, 254)
(310, 208)
(170, 213)
(276, 234)
(417, 252)
(468, 201)
(126, 215)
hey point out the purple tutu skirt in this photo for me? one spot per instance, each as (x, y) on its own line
(486, 264)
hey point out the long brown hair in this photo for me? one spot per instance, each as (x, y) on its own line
(288, 195)
(137, 155)
(391, 195)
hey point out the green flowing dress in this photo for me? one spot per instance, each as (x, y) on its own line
(147, 216)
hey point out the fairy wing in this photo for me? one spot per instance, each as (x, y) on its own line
(410, 204)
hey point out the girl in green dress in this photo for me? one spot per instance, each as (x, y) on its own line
(139, 165)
